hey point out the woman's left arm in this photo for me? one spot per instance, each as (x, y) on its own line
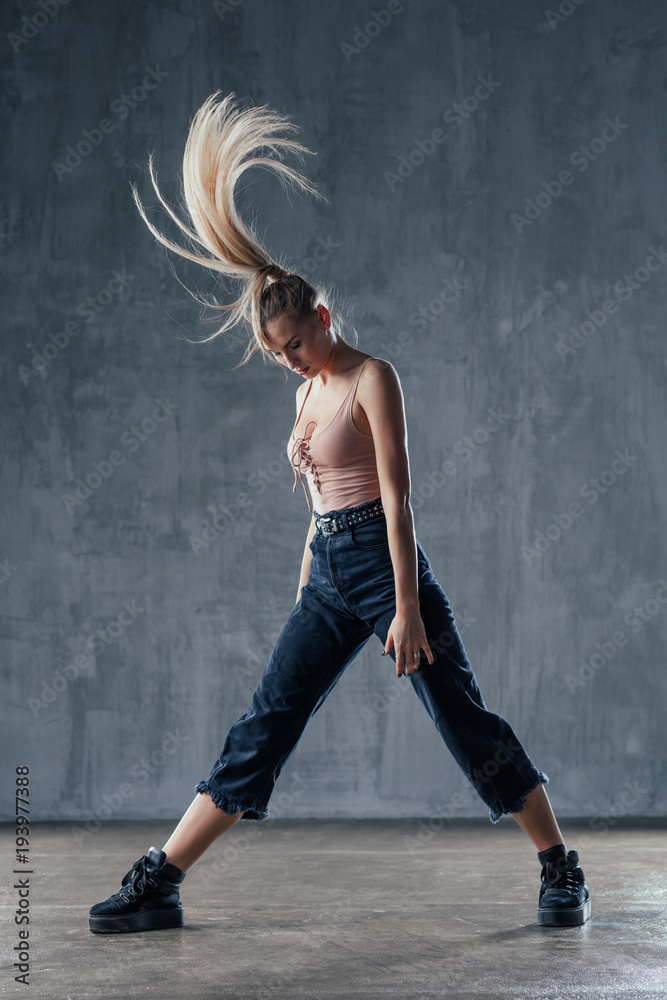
(380, 394)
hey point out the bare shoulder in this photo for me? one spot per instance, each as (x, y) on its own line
(379, 376)
(380, 396)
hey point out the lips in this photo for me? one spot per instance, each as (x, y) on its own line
(303, 371)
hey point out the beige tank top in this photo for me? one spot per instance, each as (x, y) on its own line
(339, 461)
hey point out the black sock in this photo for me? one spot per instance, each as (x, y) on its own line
(552, 854)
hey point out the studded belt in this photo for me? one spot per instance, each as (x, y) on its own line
(328, 525)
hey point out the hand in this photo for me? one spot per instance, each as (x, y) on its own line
(407, 635)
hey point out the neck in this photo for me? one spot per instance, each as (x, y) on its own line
(324, 371)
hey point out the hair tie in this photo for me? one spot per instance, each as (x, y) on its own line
(274, 272)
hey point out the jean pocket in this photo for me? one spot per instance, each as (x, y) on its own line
(370, 534)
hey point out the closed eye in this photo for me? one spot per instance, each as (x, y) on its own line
(298, 344)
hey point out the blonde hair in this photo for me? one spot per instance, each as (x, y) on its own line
(222, 142)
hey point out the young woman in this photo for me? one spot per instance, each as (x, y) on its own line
(363, 572)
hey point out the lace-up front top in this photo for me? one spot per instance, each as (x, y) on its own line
(339, 461)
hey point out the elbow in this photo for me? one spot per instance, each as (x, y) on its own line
(398, 508)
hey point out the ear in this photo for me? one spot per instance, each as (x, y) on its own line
(324, 315)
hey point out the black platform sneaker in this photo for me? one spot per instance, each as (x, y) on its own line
(146, 901)
(564, 899)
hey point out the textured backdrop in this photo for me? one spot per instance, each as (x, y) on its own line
(496, 180)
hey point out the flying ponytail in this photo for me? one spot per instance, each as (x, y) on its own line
(222, 142)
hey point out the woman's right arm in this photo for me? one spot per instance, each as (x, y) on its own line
(307, 557)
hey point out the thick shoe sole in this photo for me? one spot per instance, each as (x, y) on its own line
(571, 916)
(144, 920)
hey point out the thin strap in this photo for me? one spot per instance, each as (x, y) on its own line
(302, 405)
(347, 410)
(360, 371)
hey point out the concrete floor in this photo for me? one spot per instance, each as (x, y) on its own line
(347, 909)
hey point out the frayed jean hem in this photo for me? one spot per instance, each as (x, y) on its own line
(518, 804)
(230, 805)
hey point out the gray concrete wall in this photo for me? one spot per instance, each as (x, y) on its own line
(469, 262)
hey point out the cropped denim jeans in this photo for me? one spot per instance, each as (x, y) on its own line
(349, 597)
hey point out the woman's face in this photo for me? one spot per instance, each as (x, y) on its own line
(300, 344)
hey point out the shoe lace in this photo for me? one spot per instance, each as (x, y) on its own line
(140, 882)
(565, 878)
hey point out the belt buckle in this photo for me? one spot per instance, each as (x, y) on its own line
(325, 529)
